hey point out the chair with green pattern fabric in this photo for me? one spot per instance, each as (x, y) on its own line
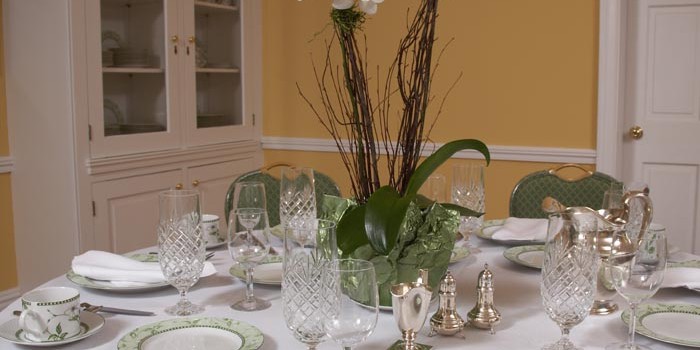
(585, 190)
(324, 185)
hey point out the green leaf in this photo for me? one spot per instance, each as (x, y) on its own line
(444, 153)
(384, 213)
(461, 210)
(350, 231)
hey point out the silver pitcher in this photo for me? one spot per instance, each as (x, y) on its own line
(634, 217)
(410, 302)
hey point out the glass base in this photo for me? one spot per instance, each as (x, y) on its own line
(184, 308)
(626, 346)
(562, 344)
(251, 305)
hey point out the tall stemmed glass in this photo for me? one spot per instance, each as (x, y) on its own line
(569, 272)
(307, 251)
(181, 245)
(297, 197)
(637, 270)
(468, 191)
(249, 244)
(244, 247)
(351, 287)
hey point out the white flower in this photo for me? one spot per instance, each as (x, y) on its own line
(367, 6)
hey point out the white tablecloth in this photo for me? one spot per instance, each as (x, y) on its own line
(517, 297)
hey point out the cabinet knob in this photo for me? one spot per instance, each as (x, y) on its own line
(195, 183)
(191, 39)
(636, 132)
(178, 186)
(174, 38)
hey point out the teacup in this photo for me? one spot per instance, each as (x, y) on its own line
(50, 314)
(210, 229)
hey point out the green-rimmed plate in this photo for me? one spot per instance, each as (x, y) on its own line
(268, 272)
(459, 253)
(670, 273)
(689, 263)
(670, 323)
(526, 255)
(112, 287)
(489, 228)
(90, 323)
(193, 333)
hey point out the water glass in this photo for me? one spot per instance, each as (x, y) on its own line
(468, 191)
(351, 288)
(181, 245)
(569, 272)
(297, 197)
(637, 270)
(307, 252)
(249, 244)
(434, 188)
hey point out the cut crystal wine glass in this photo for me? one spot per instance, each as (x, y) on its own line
(181, 246)
(637, 269)
(297, 197)
(351, 287)
(248, 245)
(307, 251)
(569, 273)
(468, 191)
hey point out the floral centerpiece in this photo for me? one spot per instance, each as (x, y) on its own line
(387, 222)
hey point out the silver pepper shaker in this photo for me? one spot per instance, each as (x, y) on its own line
(446, 321)
(484, 315)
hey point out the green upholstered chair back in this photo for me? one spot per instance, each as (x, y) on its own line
(586, 190)
(324, 185)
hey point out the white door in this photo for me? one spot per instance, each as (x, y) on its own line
(663, 99)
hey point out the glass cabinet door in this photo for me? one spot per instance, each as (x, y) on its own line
(216, 96)
(138, 53)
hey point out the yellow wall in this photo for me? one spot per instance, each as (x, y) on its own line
(529, 77)
(8, 264)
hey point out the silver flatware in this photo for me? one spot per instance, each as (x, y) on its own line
(115, 310)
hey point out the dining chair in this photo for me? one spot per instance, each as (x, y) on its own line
(586, 189)
(324, 185)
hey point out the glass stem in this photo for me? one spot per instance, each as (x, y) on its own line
(249, 284)
(632, 325)
(564, 333)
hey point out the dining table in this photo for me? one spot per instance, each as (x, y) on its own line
(516, 295)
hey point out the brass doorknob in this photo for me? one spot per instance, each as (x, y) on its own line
(195, 183)
(178, 186)
(636, 132)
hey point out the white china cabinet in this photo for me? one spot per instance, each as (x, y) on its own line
(129, 97)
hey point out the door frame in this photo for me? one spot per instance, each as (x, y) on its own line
(612, 66)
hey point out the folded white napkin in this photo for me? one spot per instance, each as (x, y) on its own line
(688, 277)
(522, 229)
(122, 271)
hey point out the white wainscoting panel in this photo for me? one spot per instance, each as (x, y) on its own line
(511, 153)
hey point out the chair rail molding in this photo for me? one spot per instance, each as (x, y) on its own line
(611, 85)
(7, 165)
(498, 152)
(8, 296)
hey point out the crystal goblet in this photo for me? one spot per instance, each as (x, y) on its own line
(248, 245)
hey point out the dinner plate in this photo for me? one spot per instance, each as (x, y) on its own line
(489, 228)
(670, 323)
(526, 255)
(201, 333)
(90, 323)
(268, 272)
(112, 287)
(686, 264)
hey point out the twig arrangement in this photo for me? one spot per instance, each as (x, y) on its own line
(361, 130)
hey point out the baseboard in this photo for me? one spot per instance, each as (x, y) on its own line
(8, 296)
(508, 153)
(7, 164)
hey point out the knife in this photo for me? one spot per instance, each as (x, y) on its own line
(115, 310)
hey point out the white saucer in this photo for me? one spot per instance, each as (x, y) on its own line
(90, 323)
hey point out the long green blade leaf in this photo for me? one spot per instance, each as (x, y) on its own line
(384, 213)
(444, 153)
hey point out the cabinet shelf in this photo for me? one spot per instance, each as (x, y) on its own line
(130, 70)
(218, 70)
(205, 7)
